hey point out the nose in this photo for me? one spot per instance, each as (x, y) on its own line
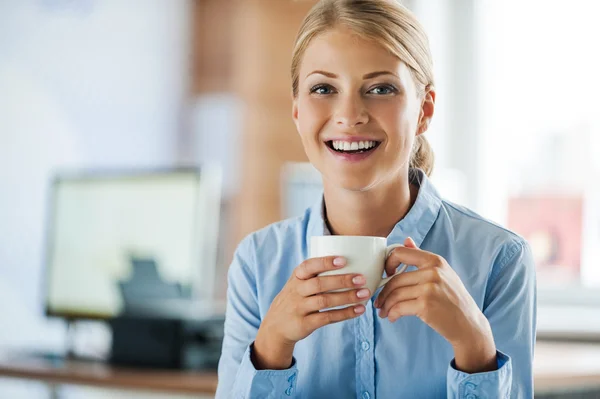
(350, 111)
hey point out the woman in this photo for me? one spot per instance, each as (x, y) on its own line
(460, 323)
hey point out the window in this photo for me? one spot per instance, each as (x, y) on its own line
(540, 141)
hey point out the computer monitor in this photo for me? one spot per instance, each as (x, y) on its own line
(114, 235)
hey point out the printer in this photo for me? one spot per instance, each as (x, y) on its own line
(162, 326)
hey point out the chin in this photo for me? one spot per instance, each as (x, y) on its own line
(350, 183)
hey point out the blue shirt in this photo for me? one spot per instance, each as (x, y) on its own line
(369, 357)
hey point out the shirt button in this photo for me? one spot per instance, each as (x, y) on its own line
(292, 378)
(365, 346)
(366, 395)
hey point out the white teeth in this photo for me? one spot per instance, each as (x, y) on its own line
(354, 146)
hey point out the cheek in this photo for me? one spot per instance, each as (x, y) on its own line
(312, 115)
(395, 119)
(399, 124)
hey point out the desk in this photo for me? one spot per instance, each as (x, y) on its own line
(103, 375)
(557, 367)
(562, 366)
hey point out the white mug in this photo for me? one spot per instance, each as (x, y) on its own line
(364, 255)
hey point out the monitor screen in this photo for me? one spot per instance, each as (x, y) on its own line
(115, 235)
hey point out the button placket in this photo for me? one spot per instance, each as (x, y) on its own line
(365, 362)
(290, 389)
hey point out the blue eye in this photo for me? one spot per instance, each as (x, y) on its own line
(383, 90)
(322, 89)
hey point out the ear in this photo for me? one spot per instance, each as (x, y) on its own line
(295, 113)
(427, 108)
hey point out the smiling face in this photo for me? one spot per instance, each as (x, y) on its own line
(357, 110)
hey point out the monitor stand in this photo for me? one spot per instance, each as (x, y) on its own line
(69, 354)
(70, 340)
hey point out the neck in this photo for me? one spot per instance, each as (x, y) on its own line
(368, 213)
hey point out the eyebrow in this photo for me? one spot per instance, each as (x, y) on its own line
(324, 73)
(378, 73)
(370, 75)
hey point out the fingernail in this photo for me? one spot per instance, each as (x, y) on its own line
(376, 303)
(339, 262)
(382, 313)
(363, 293)
(359, 309)
(359, 280)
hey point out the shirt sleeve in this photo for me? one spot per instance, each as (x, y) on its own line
(510, 306)
(238, 378)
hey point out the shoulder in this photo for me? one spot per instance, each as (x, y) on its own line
(279, 237)
(280, 232)
(482, 234)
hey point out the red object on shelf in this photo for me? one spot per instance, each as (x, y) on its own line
(553, 227)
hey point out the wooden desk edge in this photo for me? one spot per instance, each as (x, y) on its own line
(201, 383)
(565, 382)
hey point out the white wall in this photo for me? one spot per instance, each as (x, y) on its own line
(83, 83)
(453, 132)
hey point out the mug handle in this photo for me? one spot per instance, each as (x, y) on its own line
(388, 252)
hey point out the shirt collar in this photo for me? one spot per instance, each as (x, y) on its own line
(416, 224)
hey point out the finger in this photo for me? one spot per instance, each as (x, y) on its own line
(317, 285)
(406, 308)
(320, 319)
(314, 266)
(319, 302)
(409, 243)
(410, 256)
(400, 295)
(423, 276)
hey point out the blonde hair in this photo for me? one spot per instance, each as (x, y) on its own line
(388, 23)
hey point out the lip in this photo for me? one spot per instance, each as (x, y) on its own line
(352, 158)
(351, 139)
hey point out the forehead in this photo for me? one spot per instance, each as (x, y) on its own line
(343, 52)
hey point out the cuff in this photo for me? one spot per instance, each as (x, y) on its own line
(492, 384)
(253, 383)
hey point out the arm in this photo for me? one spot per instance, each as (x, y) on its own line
(237, 375)
(510, 307)
(266, 368)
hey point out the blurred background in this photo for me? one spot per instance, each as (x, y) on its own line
(106, 104)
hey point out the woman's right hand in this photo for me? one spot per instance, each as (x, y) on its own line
(295, 311)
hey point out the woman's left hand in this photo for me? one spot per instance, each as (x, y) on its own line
(436, 295)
